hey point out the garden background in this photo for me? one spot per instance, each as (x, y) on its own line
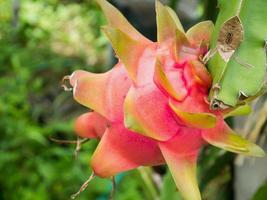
(41, 41)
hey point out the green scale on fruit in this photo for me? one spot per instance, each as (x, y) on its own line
(237, 56)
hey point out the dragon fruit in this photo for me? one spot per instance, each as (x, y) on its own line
(152, 107)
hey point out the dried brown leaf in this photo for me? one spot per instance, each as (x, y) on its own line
(230, 37)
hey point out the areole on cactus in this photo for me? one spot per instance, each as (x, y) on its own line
(242, 77)
(152, 108)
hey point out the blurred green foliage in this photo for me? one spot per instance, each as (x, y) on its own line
(40, 42)
(49, 40)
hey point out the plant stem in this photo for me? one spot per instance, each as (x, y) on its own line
(145, 173)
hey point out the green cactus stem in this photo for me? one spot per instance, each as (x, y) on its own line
(241, 76)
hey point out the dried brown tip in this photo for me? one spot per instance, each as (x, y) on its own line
(67, 141)
(84, 186)
(78, 147)
(78, 143)
(62, 141)
(66, 79)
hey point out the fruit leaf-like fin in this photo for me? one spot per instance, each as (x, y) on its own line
(201, 73)
(176, 19)
(239, 111)
(200, 34)
(180, 41)
(127, 49)
(195, 120)
(90, 125)
(117, 20)
(120, 150)
(162, 81)
(183, 170)
(99, 91)
(131, 119)
(167, 23)
(223, 137)
(141, 116)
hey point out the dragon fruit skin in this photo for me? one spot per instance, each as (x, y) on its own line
(151, 108)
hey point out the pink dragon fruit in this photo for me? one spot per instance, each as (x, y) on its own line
(152, 108)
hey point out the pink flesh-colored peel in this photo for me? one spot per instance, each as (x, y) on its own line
(147, 112)
(104, 93)
(91, 125)
(120, 150)
(223, 137)
(151, 108)
(180, 154)
(177, 92)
